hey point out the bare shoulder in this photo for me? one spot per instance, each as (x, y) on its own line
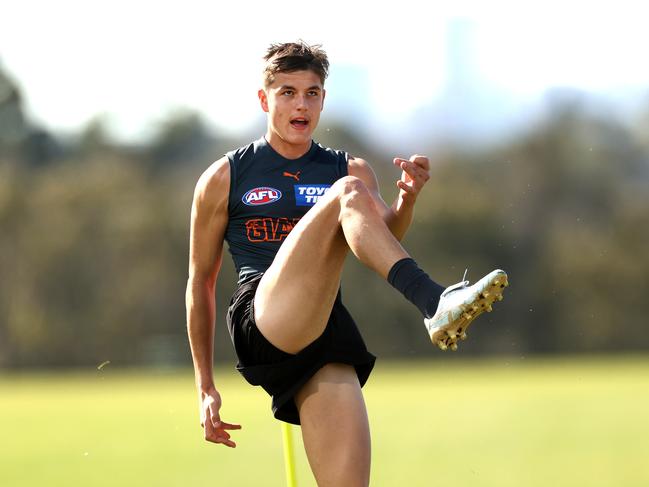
(213, 186)
(361, 169)
(357, 162)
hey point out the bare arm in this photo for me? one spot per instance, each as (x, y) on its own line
(413, 177)
(209, 220)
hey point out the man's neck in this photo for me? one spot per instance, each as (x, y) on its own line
(286, 149)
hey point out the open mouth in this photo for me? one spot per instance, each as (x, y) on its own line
(299, 123)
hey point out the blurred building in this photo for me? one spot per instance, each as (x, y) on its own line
(470, 108)
(348, 93)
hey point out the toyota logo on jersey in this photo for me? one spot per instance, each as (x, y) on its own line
(261, 196)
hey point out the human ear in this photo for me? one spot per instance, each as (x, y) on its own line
(263, 100)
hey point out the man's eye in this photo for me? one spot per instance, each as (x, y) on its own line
(287, 92)
(313, 93)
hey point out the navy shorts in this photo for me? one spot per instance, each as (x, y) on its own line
(282, 374)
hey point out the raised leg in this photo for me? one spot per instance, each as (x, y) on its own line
(295, 296)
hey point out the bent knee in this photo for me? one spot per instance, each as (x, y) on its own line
(349, 184)
(350, 190)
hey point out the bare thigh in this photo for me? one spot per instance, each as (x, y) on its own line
(296, 294)
(335, 427)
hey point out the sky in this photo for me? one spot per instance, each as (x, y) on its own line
(133, 62)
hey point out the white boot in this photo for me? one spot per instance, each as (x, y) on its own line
(460, 304)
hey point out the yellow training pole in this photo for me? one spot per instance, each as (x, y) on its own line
(289, 458)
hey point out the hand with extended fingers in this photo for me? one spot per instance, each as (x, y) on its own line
(215, 429)
(415, 173)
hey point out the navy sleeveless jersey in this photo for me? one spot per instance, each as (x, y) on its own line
(269, 194)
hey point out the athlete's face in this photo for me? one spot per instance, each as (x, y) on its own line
(293, 103)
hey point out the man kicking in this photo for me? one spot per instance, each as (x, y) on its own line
(290, 211)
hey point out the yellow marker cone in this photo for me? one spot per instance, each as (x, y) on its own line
(289, 457)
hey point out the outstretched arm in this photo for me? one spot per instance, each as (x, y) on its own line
(415, 174)
(208, 222)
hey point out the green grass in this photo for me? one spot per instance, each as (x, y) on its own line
(522, 423)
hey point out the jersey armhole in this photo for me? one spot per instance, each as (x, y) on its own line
(233, 180)
(345, 165)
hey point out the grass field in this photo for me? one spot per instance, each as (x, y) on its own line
(499, 422)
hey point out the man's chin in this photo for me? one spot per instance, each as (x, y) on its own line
(298, 139)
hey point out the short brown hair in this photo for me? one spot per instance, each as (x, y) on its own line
(295, 56)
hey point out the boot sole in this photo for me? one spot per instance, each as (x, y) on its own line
(447, 336)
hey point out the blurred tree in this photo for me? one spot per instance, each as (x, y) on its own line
(567, 214)
(183, 137)
(13, 126)
(18, 137)
(94, 138)
(93, 249)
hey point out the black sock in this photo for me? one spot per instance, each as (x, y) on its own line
(407, 277)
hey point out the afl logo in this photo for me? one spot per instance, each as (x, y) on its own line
(261, 196)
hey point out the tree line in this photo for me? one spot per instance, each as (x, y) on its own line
(94, 238)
